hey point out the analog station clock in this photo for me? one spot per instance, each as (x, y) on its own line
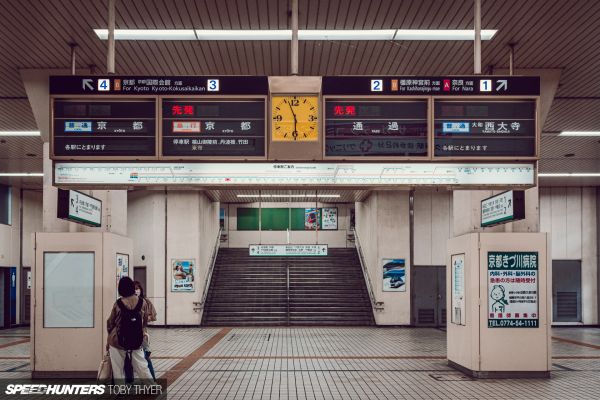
(295, 118)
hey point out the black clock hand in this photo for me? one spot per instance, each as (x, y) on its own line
(295, 132)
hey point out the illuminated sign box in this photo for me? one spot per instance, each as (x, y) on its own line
(502, 208)
(79, 207)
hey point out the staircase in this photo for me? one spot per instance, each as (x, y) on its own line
(253, 291)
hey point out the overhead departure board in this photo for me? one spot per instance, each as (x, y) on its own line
(213, 128)
(484, 128)
(97, 128)
(375, 128)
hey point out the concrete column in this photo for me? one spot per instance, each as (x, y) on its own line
(466, 214)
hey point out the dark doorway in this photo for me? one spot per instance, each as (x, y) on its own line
(429, 296)
(566, 291)
(139, 274)
(5, 297)
(26, 280)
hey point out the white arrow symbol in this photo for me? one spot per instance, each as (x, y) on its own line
(87, 84)
(502, 84)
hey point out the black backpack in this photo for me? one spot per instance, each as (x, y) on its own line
(130, 332)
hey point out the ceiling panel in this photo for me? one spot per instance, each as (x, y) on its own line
(548, 34)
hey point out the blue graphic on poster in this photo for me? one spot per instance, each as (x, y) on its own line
(394, 275)
(311, 219)
(183, 275)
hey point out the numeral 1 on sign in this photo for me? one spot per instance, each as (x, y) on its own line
(485, 85)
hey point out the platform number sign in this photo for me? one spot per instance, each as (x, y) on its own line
(212, 85)
(103, 85)
(485, 85)
(376, 85)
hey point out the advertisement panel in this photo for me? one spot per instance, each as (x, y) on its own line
(394, 274)
(513, 289)
(458, 289)
(183, 271)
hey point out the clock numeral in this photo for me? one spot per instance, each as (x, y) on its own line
(294, 102)
(278, 118)
(312, 118)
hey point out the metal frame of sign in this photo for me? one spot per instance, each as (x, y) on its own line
(381, 98)
(208, 98)
(103, 98)
(489, 99)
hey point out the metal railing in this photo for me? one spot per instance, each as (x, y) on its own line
(211, 267)
(287, 271)
(376, 305)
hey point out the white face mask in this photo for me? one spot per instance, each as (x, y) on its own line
(138, 292)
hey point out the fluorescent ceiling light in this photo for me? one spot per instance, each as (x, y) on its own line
(148, 34)
(287, 196)
(241, 34)
(20, 174)
(569, 174)
(19, 133)
(286, 34)
(579, 133)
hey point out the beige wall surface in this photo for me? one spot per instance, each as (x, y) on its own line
(569, 216)
(188, 230)
(382, 224)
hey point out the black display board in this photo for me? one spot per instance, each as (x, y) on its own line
(158, 85)
(375, 128)
(432, 85)
(484, 128)
(213, 128)
(97, 128)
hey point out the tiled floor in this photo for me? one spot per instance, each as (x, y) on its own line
(337, 363)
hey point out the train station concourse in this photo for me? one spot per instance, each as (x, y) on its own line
(300, 199)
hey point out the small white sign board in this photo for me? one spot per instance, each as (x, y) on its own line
(273, 250)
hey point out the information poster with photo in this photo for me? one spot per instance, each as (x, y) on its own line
(458, 289)
(311, 219)
(183, 275)
(329, 219)
(513, 289)
(394, 274)
(122, 267)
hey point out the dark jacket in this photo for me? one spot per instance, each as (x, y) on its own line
(115, 318)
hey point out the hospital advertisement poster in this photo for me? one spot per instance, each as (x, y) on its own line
(183, 271)
(458, 289)
(394, 274)
(513, 289)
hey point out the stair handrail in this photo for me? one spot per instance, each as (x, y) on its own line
(211, 267)
(376, 305)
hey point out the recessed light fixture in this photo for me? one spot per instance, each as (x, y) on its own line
(30, 155)
(287, 196)
(579, 133)
(569, 174)
(286, 34)
(19, 133)
(21, 174)
(569, 155)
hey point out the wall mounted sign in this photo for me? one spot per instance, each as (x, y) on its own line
(513, 289)
(458, 312)
(432, 85)
(484, 128)
(266, 250)
(157, 85)
(502, 208)
(329, 218)
(375, 128)
(192, 127)
(122, 265)
(79, 207)
(183, 273)
(97, 128)
(325, 174)
(394, 274)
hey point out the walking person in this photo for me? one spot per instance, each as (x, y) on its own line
(125, 325)
(139, 291)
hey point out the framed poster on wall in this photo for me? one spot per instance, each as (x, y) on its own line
(329, 218)
(183, 271)
(394, 274)
(457, 316)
